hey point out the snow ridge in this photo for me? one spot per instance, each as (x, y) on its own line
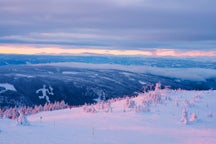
(159, 116)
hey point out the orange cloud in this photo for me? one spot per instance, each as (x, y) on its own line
(11, 49)
(174, 53)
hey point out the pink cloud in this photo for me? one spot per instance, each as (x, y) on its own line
(162, 52)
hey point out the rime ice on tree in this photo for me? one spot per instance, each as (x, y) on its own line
(44, 92)
(22, 120)
(184, 117)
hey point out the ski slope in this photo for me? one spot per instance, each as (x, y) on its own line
(159, 122)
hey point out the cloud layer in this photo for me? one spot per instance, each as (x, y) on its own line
(193, 74)
(102, 51)
(114, 24)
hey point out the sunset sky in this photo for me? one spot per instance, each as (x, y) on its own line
(116, 27)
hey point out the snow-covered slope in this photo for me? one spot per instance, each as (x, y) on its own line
(153, 117)
(6, 87)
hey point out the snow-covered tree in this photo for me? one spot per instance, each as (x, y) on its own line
(28, 111)
(130, 103)
(100, 105)
(63, 104)
(89, 109)
(138, 108)
(14, 113)
(146, 106)
(184, 116)
(22, 119)
(1, 113)
(8, 113)
(107, 107)
(193, 117)
(154, 97)
(157, 86)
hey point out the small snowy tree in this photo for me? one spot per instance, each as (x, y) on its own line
(89, 109)
(154, 97)
(8, 113)
(193, 117)
(1, 113)
(131, 104)
(107, 107)
(22, 120)
(14, 113)
(100, 105)
(184, 117)
(139, 108)
(157, 86)
(146, 105)
(63, 104)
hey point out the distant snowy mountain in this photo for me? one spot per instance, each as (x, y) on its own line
(85, 79)
(165, 62)
(160, 116)
(80, 83)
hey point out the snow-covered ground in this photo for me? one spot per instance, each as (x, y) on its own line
(6, 87)
(153, 117)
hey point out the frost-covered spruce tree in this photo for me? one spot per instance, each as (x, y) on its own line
(193, 117)
(92, 109)
(154, 97)
(100, 105)
(14, 113)
(157, 86)
(89, 109)
(146, 105)
(129, 104)
(63, 104)
(184, 116)
(107, 107)
(28, 111)
(22, 119)
(40, 108)
(85, 106)
(1, 113)
(138, 108)
(8, 113)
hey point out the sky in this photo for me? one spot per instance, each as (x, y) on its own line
(119, 27)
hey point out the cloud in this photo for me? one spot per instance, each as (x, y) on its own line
(123, 24)
(31, 49)
(193, 74)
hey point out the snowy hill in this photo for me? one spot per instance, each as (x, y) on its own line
(160, 116)
(82, 79)
(80, 83)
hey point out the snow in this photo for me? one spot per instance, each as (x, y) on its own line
(7, 87)
(193, 74)
(161, 124)
(142, 82)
